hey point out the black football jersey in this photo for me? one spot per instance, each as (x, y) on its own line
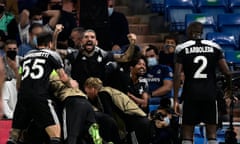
(37, 66)
(199, 59)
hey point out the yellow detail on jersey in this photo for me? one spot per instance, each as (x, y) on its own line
(20, 70)
(54, 73)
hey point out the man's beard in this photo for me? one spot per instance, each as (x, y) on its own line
(89, 43)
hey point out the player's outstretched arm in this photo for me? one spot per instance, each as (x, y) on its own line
(127, 56)
(66, 79)
(57, 30)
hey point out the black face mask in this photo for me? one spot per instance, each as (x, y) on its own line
(11, 54)
(56, 7)
(2, 8)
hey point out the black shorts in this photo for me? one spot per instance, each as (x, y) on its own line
(195, 112)
(37, 108)
(78, 115)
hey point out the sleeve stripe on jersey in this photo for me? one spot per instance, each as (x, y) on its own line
(180, 47)
(212, 44)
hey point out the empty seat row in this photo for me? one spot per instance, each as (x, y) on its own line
(226, 40)
(175, 10)
(156, 5)
(198, 5)
(221, 20)
(207, 20)
(232, 56)
(225, 31)
(228, 43)
(224, 23)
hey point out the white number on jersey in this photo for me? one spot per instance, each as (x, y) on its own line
(199, 73)
(37, 66)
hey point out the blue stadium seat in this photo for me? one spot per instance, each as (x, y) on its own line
(209, 24)
(157, 6)
(155, 100)
(234, 6)
(153, 104)
(229, 23)
(213, 7)
(221, 135)
(199, 135)
(153, 108)
(232, 56)
(227, 41)
(175, 11)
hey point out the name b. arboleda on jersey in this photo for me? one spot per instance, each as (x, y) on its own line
(196, 49)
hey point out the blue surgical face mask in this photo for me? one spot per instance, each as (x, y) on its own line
(152, 61)
(110, 11)
(35, 41)
(37, 21)
(166, 120)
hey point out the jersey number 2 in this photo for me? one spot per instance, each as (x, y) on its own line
(199, 73)
(37, 67)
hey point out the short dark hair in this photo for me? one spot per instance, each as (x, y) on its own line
(170, 36)
(80, 30)
(152, 47)
(136, 59)
(90, 30)
(44, 38)
(33, 26)
(194, 28)
(10, 41)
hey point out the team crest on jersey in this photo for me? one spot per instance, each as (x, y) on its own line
(159, 71)
(141, 90)
(99, 59)
(170, 74)
(84, 58)
(149, 75)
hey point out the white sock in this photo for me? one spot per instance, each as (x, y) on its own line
(212, 142)
(187, 142)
